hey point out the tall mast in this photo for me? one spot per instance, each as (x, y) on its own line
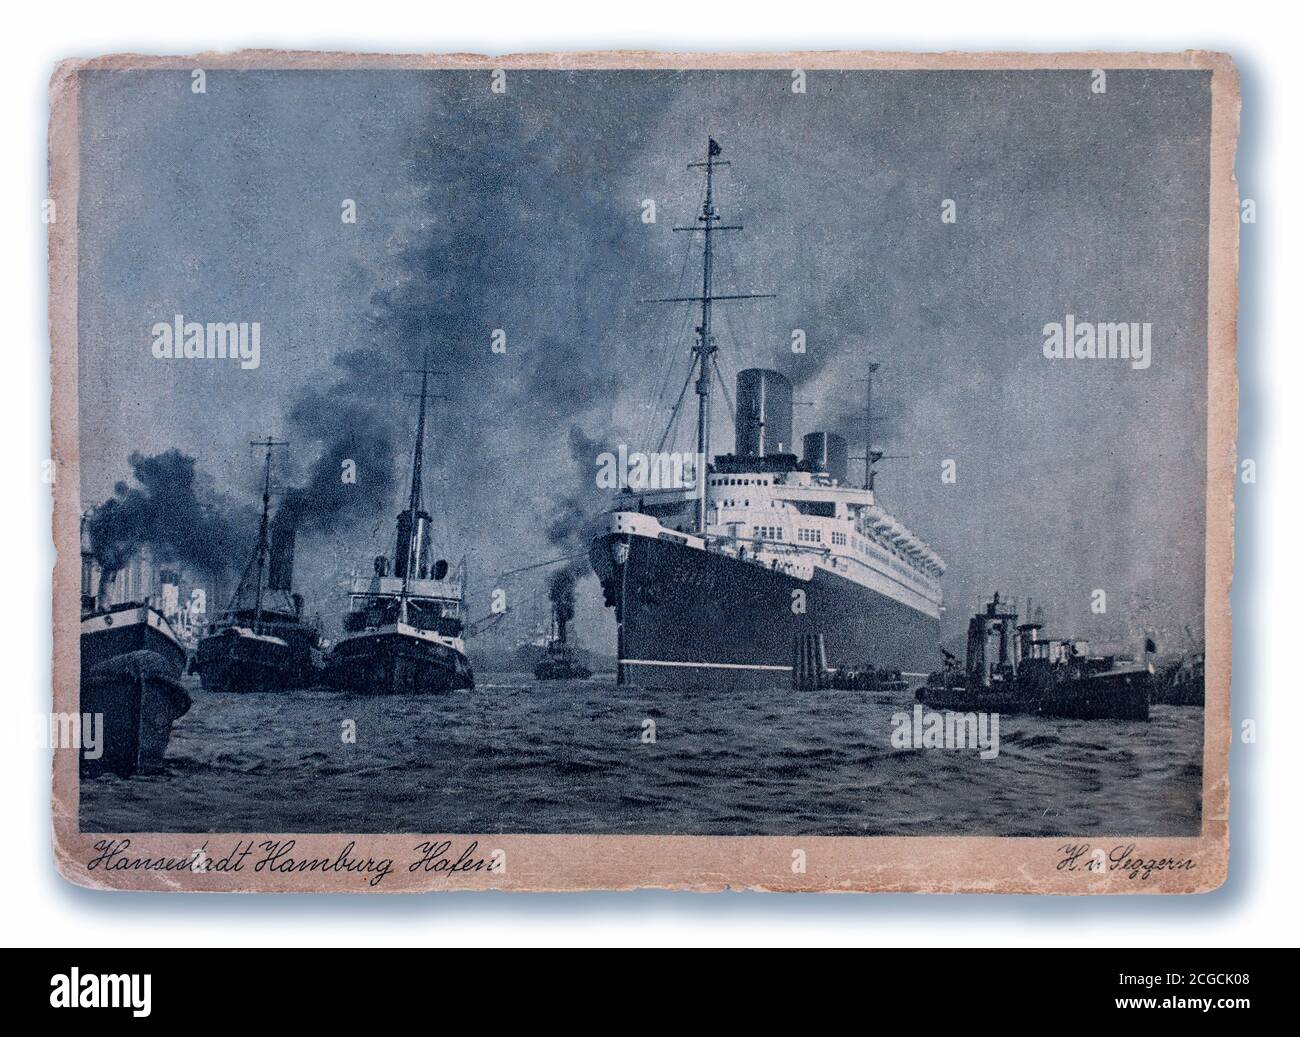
(704, 347)
(417, 474)
(263, 540)
(866, 478)
(702, 353)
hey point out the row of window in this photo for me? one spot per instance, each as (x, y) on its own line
(736, 502)
(814, 536)
(740, 482)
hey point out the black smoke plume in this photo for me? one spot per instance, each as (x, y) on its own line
(354, 474)
(563, 597)
(175, 513)
(576, 515)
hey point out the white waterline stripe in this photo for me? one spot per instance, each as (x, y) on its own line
(730, 666)
(720, 666)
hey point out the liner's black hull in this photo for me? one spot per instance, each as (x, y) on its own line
(689, 618)
(389, 663)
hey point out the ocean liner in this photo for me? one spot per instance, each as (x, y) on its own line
(719, 583)
(260, 642)
(402, 632)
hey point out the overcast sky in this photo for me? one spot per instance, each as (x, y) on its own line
(522, 211)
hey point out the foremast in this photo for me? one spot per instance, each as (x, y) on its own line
(262, 555)
(705, 348)
(415, 506)
(704, 352)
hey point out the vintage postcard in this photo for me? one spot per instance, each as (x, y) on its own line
(596, 471)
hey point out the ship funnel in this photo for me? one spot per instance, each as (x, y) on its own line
(764, 413)
(412, 546)
(827, 452)
(283, 534)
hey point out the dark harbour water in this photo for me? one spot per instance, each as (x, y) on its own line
(519, 756)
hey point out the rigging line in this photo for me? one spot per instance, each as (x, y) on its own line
(653, 417)
(676, 410)
(668, 349)
(749, 352)
(682, 337)
(683, 333)
(540, 565)
(741, 358)
(725, 394)
(732, 368)
(726, 374)
(742, 332)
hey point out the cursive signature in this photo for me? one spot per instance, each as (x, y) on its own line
(1083, 857)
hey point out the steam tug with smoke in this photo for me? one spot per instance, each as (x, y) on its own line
(559, 662)
(131, 661)
(403, 631)
(261, 643)
(770, 567)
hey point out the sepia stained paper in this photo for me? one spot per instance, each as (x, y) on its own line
(803, 471)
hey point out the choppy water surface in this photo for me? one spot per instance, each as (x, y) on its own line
(516, 755)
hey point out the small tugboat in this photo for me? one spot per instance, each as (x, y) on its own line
(131, 660)
(559, 662)
(1030, 674)
(403, 632)
(139, 698)
(866, 678)
(261, 643)
(134, 626)
(1182, 682)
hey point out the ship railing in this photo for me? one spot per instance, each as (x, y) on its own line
(394, 586)
(732, 546)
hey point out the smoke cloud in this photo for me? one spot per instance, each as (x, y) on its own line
(175, 512)
(354, 475)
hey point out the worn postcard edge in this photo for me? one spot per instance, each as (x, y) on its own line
(992, 864)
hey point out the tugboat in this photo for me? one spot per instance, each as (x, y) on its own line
(1182, 681)
(1031, 674)
(403, 632)
(131, 661)
(866, 678)
(139, 697)
(560, 663)
(261, 643)
(134, 626)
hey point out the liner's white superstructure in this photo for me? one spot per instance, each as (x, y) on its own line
(797, 522)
